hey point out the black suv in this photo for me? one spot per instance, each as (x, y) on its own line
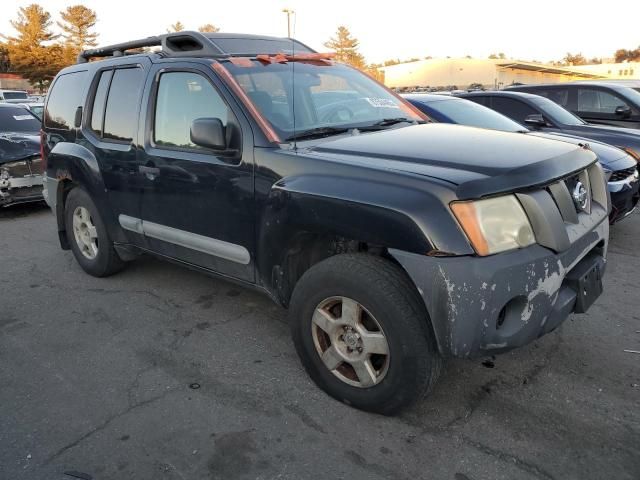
(609, 102)
(393, 242)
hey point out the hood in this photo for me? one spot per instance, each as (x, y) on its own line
(479, 161)
(611, 158)
(18, 146)
(617, 136)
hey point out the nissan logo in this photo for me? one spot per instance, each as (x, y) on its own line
(580, 196)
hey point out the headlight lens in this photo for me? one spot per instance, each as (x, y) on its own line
(494, 225)
(633, 153)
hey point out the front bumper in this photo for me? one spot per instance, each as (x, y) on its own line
(624, 199)
(486, 305)
(14, 190)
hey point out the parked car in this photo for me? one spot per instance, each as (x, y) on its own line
(20, 161)
(621, 169)
(609, 102)
(13, 96)
(394, 243)
(541, 114)
(37, 108)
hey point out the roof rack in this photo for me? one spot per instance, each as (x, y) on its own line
(197, 44)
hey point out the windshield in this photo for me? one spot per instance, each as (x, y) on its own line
(556, 113)
(470, 113)
(15, 95)
(322, 94)
(17, 119)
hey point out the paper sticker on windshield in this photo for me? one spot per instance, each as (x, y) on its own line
(382, 103)
(23, 117)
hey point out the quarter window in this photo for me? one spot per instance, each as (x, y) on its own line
(97, 111)
(182, 98)
(64, 99)
(121, 114)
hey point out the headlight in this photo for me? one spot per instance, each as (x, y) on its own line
(494, 225)
(633, 153)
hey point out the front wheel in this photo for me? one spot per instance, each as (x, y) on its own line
(88, 236)
(362, 333)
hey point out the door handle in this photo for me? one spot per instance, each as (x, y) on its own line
(150, 172)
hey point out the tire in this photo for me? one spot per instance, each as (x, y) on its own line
(103, 261)
(385, 295)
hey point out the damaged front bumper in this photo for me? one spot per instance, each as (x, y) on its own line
(13, 190)
(486, 305)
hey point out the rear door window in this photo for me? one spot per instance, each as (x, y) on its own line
(66, 95)
(99, 101)
(123, 101)
(591, 100)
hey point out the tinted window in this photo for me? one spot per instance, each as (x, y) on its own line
(480, 100)
(18, 119)
(121, 115)
(556, 113)
(97, 111)
(514, 109)
(598, 101)
(65, 97)
(183, 97)
(470, 113)
(558, 95)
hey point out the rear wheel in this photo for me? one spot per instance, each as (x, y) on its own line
(362, 333)
(88, 236)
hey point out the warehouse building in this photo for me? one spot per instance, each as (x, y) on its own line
(491, 73)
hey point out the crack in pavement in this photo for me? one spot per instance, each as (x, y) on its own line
(104, 425)
(505, 457)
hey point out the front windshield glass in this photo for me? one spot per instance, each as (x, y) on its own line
(322, 95)
(18, 119)
(470, 113)
(556, 113)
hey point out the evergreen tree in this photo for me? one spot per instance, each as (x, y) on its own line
(176, 27)
(208, 28)
(346, 48)
(30, 52)
(77, 23)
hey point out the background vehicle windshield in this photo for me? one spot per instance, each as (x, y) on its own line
(17, 119)
(15, 95)
(557, 113)
(470, 113)
(321, 95)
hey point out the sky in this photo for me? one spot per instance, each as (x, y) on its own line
(543, 30)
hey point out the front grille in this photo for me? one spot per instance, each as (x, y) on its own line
(620, 175)
(17, 169)
(572, 195)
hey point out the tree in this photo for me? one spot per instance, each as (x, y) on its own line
(574, 59)
(346, 48)
(496, 56)
(624, 55)
(208, 28)
(5, 65)
(77, 23)
(176, 27)
(31, 53)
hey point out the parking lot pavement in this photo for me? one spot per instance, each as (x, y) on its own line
(163, 373)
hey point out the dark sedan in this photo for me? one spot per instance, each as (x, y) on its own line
(20, 161)
(620, 167)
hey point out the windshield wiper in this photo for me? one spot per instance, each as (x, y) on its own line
(387, 122)
(318, 132)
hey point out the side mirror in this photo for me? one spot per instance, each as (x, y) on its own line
(535, 120)
(208, 133)
(623, 111)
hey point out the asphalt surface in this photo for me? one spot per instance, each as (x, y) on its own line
(164, 373)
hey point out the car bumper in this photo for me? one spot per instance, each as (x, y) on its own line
(624, 199)
(14, 190)
(486, 305)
